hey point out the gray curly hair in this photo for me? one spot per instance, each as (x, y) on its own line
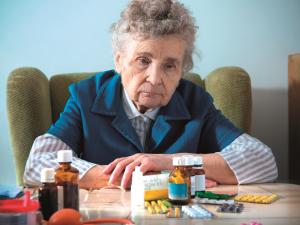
(153, 18)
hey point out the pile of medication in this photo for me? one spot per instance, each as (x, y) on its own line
(256, 198)
(233, 208)
(212, 201)
(174, 212)
(196, 212)
(157, 207)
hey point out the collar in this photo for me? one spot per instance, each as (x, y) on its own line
(132, 111)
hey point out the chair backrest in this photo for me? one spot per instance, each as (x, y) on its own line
(34, 102)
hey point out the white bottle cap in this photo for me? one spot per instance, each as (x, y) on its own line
(47, 175)
(178, 161)
(138, 171)
(64, 156)
(198, 160)
(188, 160)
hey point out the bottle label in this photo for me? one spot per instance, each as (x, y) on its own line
(178, 191)
(199, 183)
(60, 197)
(193, 186)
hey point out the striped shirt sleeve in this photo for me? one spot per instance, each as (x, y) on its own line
(250, 160)
(43, 154)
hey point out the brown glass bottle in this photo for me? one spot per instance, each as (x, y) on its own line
(48, 193)
(179, 183)
(66, 178)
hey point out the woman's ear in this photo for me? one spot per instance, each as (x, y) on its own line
(118, 62)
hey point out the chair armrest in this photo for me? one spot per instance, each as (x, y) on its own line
(231, 89)
(29, 112)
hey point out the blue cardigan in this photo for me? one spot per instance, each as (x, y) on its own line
(94, 123)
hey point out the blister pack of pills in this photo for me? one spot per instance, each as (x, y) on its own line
(233, 208)
(211, 195)
(256, 198)
(197, 212)
(212, 201)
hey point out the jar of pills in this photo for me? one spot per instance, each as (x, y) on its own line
(179, 183)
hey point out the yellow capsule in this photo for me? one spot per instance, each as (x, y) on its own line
(163, 208)
(157, 209)
(150, 210)
(146, 204)
(170, 212)
(177, 212)
(153, 203)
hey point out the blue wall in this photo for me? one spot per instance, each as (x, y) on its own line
(70, 36)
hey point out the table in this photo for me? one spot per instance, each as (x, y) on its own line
(116, 203)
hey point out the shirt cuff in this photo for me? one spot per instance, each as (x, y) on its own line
(250, 160)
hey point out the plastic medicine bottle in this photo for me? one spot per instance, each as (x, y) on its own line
(66, 178)
(137, 189)
(48, 193)
(199, 175)
(179, 182)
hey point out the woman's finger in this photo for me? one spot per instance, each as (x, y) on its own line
(110, 167)
(128, 173)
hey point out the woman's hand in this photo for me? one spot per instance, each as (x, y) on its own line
(126, 165)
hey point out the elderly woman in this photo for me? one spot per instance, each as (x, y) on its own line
(143, 113)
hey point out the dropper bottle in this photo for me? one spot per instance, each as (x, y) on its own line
(66, 178)
(137, 189)
(48, 193)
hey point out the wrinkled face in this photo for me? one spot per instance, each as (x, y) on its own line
(151, 69)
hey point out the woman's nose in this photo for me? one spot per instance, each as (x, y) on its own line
(154, 75)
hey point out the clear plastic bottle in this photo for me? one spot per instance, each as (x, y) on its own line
(179, 182)
(66, 178)
(199, 174)
(48, 193)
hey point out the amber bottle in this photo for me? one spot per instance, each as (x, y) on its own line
(48, 193)
(66, 178)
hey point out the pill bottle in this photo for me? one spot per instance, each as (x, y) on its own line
(199, 175)
(66, 178)
(137, 189)
(179, 182)
(48, 193)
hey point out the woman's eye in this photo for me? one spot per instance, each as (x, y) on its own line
(144, 61)
(170, 66)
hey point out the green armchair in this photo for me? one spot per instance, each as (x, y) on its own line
(34, 103)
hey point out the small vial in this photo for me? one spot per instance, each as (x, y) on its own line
(66, 178)
(199, 174)
(179, 182)
(48, 193)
